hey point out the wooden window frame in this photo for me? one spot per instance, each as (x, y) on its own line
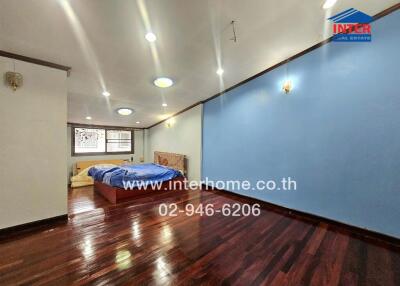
(105, 128)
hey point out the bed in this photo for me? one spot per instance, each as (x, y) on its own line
(81, 168)
(166, 173)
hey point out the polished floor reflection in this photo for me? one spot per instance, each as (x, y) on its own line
(131, 244)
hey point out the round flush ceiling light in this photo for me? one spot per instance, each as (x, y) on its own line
(150, 37)
(220, 71)
(329, 4)
(106, 93)
(163, 82)
(164, 105)
(124, 111)
(88, 117)
(137, 122)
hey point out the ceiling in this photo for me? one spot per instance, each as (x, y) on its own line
(103, 41)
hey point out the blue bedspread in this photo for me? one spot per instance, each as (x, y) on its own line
(134, 174)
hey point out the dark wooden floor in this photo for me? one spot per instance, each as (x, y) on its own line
(130, 244)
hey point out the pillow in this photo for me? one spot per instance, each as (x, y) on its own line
(84, 172)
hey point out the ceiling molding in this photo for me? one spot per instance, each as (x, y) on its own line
(316, 46)
(35, 61)
(102, 126)
(175, 114)
(387, 11)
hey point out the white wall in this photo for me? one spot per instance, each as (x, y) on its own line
(138, 145)
(183, 137)
(33, 145)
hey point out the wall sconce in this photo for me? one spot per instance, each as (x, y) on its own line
(287, 86)
(14, 80)
(169, 122)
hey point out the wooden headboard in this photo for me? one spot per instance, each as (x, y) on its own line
(176, 161)
(81, 165)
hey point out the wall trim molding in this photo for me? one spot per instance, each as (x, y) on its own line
(26, 228)
(35, 61)
(103, 126)
(175, 114)
(356, 231)
(302, 53)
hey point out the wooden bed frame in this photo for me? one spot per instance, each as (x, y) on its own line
(116, 195)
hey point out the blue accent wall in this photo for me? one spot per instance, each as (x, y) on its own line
(337, 133)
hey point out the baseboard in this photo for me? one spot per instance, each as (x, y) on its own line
(359, 232)
(23, 229)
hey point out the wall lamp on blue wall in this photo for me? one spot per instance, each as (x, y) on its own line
(287, 86)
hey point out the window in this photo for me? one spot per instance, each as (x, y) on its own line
(90, 140)
(100, 141)
(119, 141)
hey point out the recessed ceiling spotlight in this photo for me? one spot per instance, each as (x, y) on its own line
(137, 122)
(88, 117)
(124, 111)
(164, 105)
(329, 4)
(106, 93)
(163, 82)
(220, 71)
(150, 37)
